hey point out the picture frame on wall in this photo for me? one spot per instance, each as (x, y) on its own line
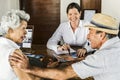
(88, 14)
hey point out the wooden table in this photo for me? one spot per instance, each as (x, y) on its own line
(49, 57)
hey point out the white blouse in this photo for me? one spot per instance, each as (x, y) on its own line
(65, 32)
(6, 48)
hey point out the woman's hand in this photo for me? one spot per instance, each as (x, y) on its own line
(81, 52)
(19, 60)
(64, 47)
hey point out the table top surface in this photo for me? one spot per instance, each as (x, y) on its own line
(51, 59)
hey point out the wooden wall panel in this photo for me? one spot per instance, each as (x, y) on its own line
(45, 16)
(91, 4)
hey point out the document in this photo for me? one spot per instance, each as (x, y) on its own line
(65, 52)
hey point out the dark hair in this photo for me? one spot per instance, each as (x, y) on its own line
(73, 5)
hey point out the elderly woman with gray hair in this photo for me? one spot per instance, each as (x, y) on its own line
(13, 29)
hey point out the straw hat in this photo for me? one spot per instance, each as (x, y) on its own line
(104, 23)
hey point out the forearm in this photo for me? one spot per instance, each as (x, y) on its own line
(52, 44)
(54, 73)
(23, 75)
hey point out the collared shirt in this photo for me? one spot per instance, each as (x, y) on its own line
(7, 47)
(65, 32)
(104, 64)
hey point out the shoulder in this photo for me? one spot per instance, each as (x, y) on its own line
(82, 27)
(83, 23)
(64, 24)
(2, 39)
(6, 46)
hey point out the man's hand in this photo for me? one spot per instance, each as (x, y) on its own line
(81, 52)
(19, 60)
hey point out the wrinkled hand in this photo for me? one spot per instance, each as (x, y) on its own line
(64, 47)
(19, 60)
(81, 52)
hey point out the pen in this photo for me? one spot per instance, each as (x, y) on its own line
(68, 51)
(68, 48)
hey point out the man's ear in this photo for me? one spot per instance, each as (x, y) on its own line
(102, 35)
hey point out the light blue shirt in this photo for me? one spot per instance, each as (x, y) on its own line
(104, 64)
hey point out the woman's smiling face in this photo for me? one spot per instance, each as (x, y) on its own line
(73, 15)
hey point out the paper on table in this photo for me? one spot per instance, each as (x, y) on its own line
(65, 52)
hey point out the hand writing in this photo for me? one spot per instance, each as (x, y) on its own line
(64, 47)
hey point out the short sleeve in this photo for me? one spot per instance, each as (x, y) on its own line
(92, 65)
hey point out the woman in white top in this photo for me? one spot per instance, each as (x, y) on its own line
(13, 29)
(72, 32)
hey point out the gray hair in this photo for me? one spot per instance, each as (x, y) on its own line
(108, 36)
(12, 19)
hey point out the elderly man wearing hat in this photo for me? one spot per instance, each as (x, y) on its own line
(104, 64)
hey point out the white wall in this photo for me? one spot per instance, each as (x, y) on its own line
(63, 6)
(14, 4)
(6, 5)
(111, 7)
